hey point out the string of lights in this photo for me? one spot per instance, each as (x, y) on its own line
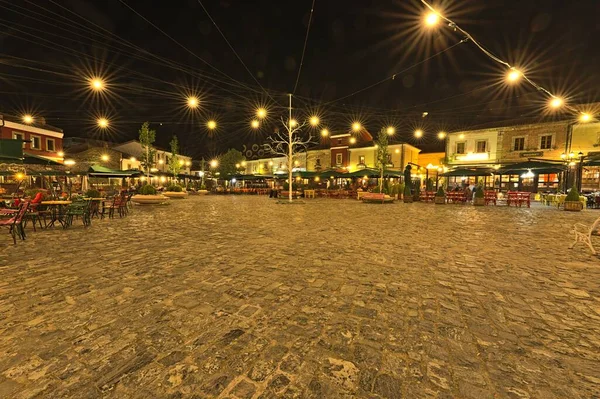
(513, 74)
(312, 9)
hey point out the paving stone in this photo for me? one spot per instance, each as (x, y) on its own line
(205, 298)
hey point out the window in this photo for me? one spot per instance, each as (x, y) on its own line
(389, 159)
(18, 136)
(49, 144)
(36, 143)
(361, 160)
(481, 146)
(338, 159)
(318, 162)
(460, 148)
(519, 144)
(339, 141)
(546, 142)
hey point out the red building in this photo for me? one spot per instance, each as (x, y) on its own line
(39, 140)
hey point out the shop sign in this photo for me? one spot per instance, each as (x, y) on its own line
(532, 154)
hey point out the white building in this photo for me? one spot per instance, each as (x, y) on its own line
(133, 148)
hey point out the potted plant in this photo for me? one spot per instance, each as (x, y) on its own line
(572, 202)
(407, 194)
(175, 191)
(92, 193)
(203, 190)
(147, 196)
(440, 196)
(479, 199)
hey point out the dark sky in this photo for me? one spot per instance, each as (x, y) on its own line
(47, 49)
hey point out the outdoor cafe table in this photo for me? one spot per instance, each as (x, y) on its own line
(57, 210)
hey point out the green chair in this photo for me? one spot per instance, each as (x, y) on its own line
(78, 209)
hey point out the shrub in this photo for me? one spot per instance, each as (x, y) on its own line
(440, 192)
(91, 193)
(175, 187)
(479, 191)
(573, 194)
(148, 189)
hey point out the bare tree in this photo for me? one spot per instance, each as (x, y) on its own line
(289, 143)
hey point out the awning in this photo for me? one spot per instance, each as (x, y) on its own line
(331, 173)
(37, 160)
(467, 172)
(101, 171)
(537, 167)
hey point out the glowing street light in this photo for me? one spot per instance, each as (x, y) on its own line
(105, 158)
(324, 133)
(69, 162)
(193, 102)
(352, 140)
(441, 135)
(556, 102)
(97, 84)
(181, 162)
(432, 19)
(103, 123)
(293, 123)
(255, 124)
(390, 130)
(261, 113)
(214, 163)
(356, 126)
(212, 125)
(60, 154)
(513, 75)
(585, 117)
(314, 121)
(28, 119)
(418, 133)
(132, 159)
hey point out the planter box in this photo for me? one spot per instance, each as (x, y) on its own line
(573, 206)
(479, 201)
(439, 200)
(149, 199)
(175, 194)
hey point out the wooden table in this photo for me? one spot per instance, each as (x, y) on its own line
(309, 193)
(56, 211)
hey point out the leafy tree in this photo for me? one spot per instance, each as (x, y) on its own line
(174, 164)
(228, 161)
(383, 155)
(147, 138)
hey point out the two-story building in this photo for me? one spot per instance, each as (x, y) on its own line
(39, 140)
(133, 153)
(585, 148)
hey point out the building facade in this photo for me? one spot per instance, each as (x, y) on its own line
(38, 140)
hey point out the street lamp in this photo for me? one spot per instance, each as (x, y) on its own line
(442, 135)
(324, 133)
(432, 19)
(513, 75)
(105, 158)
(193, 102)
(356, 127)
(391, 130)
(261, 113)
(214, 163)
(212, 125)
(97, 84)
(314, 121)
(28, 119)
(418, 133)
(255, 124)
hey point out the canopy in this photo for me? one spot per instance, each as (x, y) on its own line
(251, 177)
(538, 167)
(592, 162)
(467, 172)
(38, 160)
(369, 172)
(101, 171)
(327, 173)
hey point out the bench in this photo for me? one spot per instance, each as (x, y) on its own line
(377, 197)
(584, 234)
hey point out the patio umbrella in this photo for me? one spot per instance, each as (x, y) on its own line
(467, 172)
(369, 172)
(335, 173)
(538, 167)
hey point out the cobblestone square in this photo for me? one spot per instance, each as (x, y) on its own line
(241, 297)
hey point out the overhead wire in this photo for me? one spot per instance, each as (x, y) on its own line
(312, 8)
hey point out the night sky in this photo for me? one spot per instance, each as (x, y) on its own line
(48, 50)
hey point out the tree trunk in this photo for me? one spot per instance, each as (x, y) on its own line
(381, 182)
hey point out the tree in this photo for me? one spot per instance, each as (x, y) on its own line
(229, 163)
(383, 155)
(288, 143)
(147, 138)
(174, 164)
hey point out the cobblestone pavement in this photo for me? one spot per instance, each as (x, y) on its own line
(240, 297)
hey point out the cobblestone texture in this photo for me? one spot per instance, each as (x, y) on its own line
(239, 297)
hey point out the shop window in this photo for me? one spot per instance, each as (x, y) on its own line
(361, 160)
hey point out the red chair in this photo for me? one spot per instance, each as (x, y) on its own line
(490, 197)
(15, 223)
